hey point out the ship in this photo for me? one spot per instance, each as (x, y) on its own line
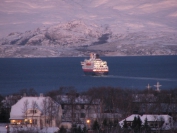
(94, 66)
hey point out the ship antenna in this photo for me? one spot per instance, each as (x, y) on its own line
(158, 86)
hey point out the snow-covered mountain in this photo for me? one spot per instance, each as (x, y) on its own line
(76, 27)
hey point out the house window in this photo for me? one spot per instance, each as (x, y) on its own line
(155, 125)
(74, 115)
(26, 121)
(62, 106)
(82, 106)
(151, 125)
(33, 111)
(47, 121)
(82, 115)
(35, 121)
(16, 122)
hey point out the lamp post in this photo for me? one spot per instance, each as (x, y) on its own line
(8, 129)
(88, 123)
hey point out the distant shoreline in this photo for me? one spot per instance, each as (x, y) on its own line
(84, 56)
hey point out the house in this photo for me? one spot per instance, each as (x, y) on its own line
(36, 111)
(156, 122)
(78, 109)
(111, 115)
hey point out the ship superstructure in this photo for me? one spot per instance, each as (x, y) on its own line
(94, 65)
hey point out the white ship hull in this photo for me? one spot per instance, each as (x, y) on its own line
(94, 66)
(91, 72)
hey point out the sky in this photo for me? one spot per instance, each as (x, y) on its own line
(121, 15)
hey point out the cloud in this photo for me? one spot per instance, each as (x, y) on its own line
(49, 22)
(159, 6)
(24, 6)
(12, 23)
(173, 14)
(37, 5)
(123, 8)
(134, 25)
(155, 24)
(99, 2)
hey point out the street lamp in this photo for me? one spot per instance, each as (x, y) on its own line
(88, 123)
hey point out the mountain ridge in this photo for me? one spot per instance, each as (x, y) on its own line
(77, 38)
(74, 27)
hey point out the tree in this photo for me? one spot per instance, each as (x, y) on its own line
(125, 124)
(146, 128)
(67, 102)
(53, 110)
(62, 130)
(139, 123)
(79, 130)
(134, 123)
(74, 128)
(28, 92)
(50, 111)
(4, 115)
(115, 123)
(145, 123)
(95, 125)
(105, 123)
(33, 107)
(25, 108)
(84, 130)
(45, 111)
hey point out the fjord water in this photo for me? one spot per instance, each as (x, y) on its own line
(45, 74)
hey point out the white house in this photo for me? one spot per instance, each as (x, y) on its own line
(163, 122)
(36, 111)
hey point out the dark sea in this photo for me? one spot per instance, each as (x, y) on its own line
(45, 74)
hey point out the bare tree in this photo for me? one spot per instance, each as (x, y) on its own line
(33, 111)
(72, 105)
(53, 111)
(25, 108)
(45, 111)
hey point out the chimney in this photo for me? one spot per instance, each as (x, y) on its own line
(41, 94)
(24, 94)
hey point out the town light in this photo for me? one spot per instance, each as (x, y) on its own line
(88, 121)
